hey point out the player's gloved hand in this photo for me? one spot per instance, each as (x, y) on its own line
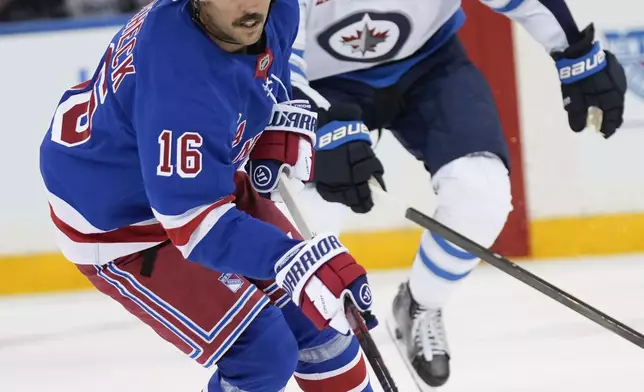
(591, 77)
(286, 145)
(345, 161)
(319, 274)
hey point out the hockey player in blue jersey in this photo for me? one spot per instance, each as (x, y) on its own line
(142, 170)
(399, 65)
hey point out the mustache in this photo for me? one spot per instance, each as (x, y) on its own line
(254, 17)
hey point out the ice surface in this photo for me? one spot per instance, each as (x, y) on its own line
(504, 336)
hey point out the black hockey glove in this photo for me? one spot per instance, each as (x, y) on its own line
(591, 77)
(344, 159)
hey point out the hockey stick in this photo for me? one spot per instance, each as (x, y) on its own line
(516, 272)
(354, 317)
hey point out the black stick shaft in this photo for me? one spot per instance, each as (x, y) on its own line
(353, 315)
(369, 348)
(526, 277)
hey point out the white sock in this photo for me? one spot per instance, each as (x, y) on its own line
(474, 199)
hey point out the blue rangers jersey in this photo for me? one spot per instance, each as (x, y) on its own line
(377, 41)
(147, 149)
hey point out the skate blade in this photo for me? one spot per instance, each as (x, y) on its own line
(402, 353)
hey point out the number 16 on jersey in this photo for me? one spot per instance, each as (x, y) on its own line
(187, 158)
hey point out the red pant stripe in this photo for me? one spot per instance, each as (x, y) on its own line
(353, 377)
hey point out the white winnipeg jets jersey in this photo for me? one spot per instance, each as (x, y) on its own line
(346, 35)
(341, 36)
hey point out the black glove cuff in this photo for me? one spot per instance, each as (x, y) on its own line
(339, 111)
(579, 48)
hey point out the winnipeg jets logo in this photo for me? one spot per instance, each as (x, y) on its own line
(366, 36)
(365, 40)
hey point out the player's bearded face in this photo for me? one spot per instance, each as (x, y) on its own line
(238, 21)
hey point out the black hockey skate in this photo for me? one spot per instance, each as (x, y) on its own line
(420, 337)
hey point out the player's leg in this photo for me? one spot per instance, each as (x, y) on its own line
(262, 359)
(328, 361)
(213, 318)
(451, 124)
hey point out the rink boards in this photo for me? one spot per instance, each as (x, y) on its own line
(573, 194)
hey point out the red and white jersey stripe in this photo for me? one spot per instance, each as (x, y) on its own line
(188, 229)
(83, 243)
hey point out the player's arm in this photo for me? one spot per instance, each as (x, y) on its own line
(287, 143)
(184, 138)
(548, 21)
(298, 77)
(344, 159)
(590, 76)
(184, 129)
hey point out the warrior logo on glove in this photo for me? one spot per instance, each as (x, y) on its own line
(299, 268)
(319, 275)
(365, 294)
(286, 145)
(292, 118)
(262, 175)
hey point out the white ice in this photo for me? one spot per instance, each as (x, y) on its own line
(505, 337)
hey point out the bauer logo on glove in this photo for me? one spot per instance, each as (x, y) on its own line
(593, 85)
(572, 70)
(337, 133)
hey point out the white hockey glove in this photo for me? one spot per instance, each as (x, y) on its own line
(319, 274)
(286, 145)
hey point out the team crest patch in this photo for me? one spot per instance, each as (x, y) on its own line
(264, 62)
(628, 47)
(232, 281)
(366, 37)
